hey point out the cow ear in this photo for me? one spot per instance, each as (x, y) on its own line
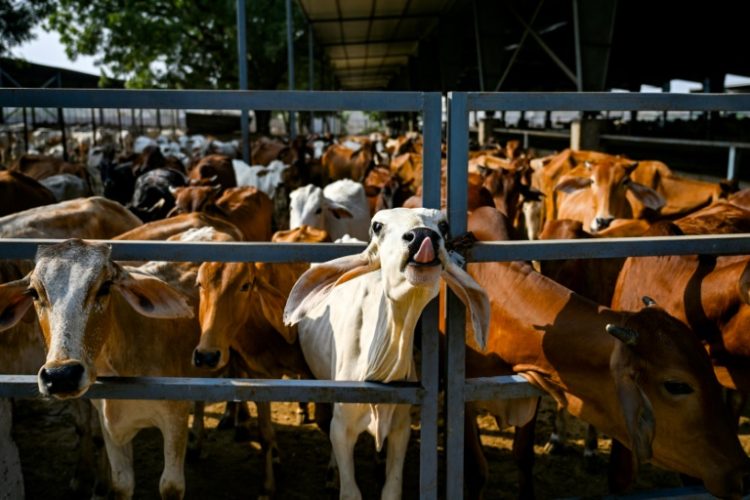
(571, 183)
(314, 286)
(339, 211)
(630, 167)
(151, 297)
(650, 198)
(14, 302)
(634, 404)
(473, 297)
(272, 304)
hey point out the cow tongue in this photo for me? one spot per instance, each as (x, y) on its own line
(426, 253)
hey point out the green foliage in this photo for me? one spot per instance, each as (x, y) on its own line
(178, 43)
(17, 18)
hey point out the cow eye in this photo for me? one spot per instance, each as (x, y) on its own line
(245, 287)
(444, 228)
(377, 227)
(104, 289)
(317, 212)
(31, 292)
(677, 388)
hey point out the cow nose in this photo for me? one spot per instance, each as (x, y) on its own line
(416, 237)
(602, 223)
(206, 358)
(62, 379)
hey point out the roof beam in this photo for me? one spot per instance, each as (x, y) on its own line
(395, 17)
(370, 42)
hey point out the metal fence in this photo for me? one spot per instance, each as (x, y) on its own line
(425, 393)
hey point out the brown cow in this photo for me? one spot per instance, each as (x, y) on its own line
(340, 162)
(385, 190)
(213, 170)
(99, 318)
(163, 229)
(20, 192)
(248, 208)
(709, 293)
(40, 167)
(241, 308)
(640, 377)
(598, 194)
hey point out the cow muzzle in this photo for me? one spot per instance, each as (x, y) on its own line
(206, 359)
(63, 380)
(600, 223)
(423, 265)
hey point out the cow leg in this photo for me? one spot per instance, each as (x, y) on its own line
(303, 413)
(323, 416)
(343, 438)
(197, 432)
(397, 442)
(556, 443)
(122, 480)
(523, 454)
(475, 463)
(591, 445)
(175, 433)
(736, 402)
(621, 470)
(269, 447)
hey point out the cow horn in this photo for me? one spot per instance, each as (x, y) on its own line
(213, 179)
(626, 335)
(173, 190)
(157, 205)
(648, 301)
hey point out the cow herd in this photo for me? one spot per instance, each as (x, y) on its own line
(651, 351)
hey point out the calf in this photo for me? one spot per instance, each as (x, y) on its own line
(641, 377)
(214, 170)
(241, 306)
(356, 317)
(341, 208)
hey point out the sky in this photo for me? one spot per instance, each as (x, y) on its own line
(47, 49)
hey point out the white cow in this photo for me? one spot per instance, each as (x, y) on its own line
(341, 208)
(267, 179)
(356, 317)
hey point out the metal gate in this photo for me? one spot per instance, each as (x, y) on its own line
(459, 390)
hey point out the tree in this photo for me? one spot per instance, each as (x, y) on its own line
(179, 43)
(17, 18)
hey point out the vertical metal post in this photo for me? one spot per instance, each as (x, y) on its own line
(428, 474)
(158, 120)
(577, 38)
(480, 65)
(242, 61)
(458, 154)
(732, 163)
(2, 110)
(290, 63)
(310, 69)
(25, 131)
(119, 129)
(93, 126)
(61, 122)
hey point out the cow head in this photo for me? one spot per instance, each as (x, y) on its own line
(670, 401)
(608, 181)
(407, 247)
(72, 288)
(309, 206)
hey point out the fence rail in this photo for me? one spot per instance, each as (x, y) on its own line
(459, 390)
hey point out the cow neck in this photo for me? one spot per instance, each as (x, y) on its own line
(538, 325)
(391, 351)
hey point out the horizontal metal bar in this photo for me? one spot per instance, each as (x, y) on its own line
(724, 244)
(533, 133)
(197, 251)
(359, 19)
(303, 100)
(665, 141)
(224, 389)
(605, 101)
(501, 387)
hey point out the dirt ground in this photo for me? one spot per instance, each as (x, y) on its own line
(232, 470)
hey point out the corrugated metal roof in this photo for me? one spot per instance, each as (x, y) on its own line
(369, 41)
